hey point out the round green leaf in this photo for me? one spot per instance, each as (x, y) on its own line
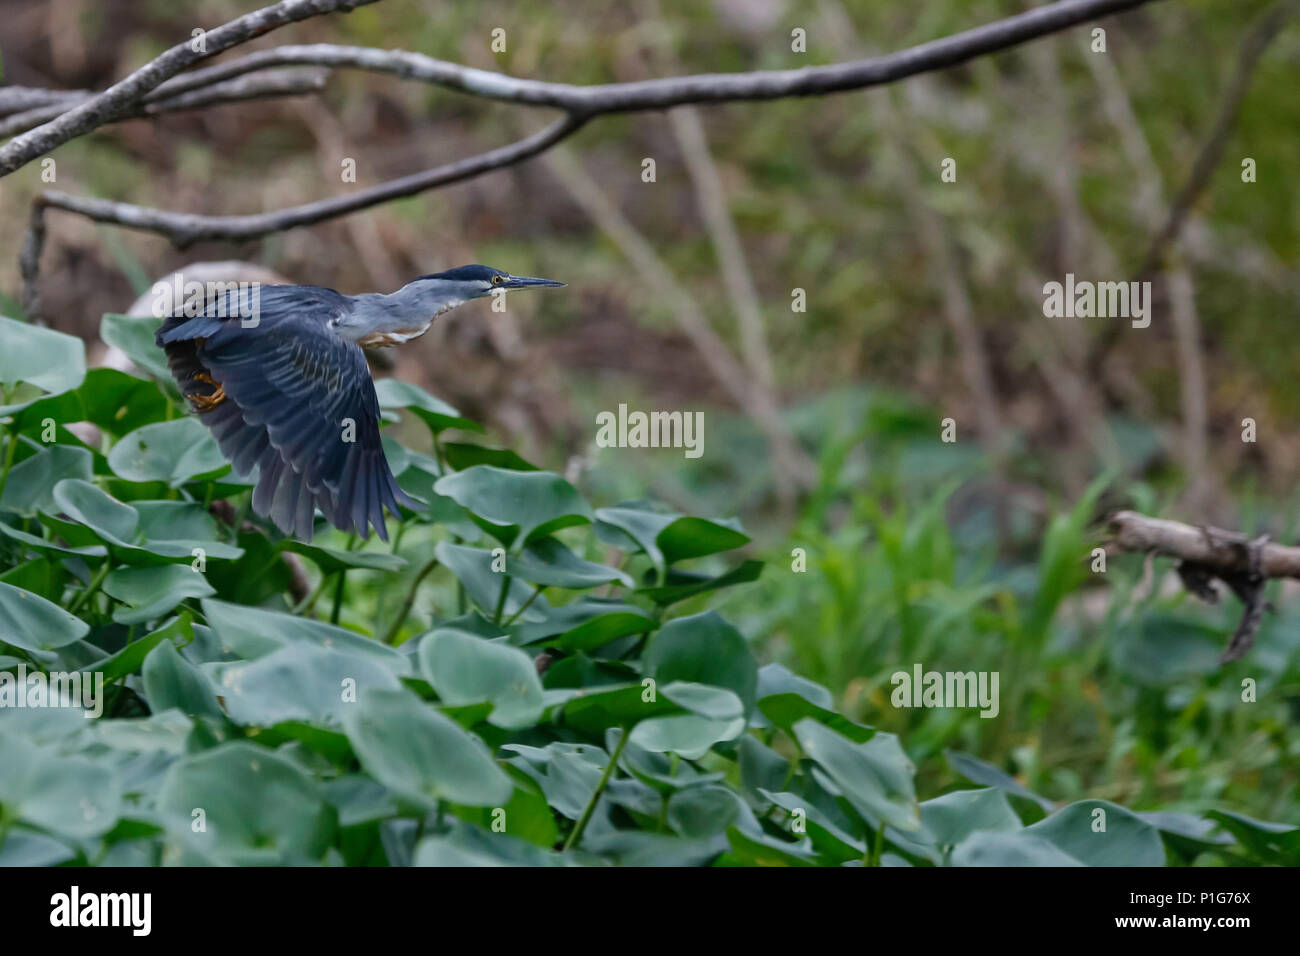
(516, 507)
(29, 621)
(466, 669)
(171, 452)
(422, 755)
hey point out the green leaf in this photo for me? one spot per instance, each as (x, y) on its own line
(550, 563)
(666, 537)
(170, 681)
(134, 335)
(786, 710)
(593, 710)
(111, 520)
(471, 846)
(473, 566)
(434, 412)
(463, 455)
(152, 592)
(684, 584)
(68, 795)
(516, 507)
(586, 624)
(1010, 848)
(131, 658)
(32, 623)
(258, 807)
(422, 755)
(466, 669)
(300, 682)
(704, 649)
(951, 818)
(763, 850)
(171, 452)
(112, 400)
(31, 482)
(1276, 843)
(330, 560)
(252, 632)
(1127, 839)
(45, 362)
(875, 777)
(985, 774)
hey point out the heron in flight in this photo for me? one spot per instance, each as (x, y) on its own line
(278, 375)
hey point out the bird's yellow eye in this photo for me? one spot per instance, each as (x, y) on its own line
(497, 280)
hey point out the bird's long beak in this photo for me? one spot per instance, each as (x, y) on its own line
(527, 282)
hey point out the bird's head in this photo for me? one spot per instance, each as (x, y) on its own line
(407, 313)
(474, 282)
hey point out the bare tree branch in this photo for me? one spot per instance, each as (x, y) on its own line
(183, 229)
(1214, 547)
(119, 98)
(700, 88)
(273, 83)
(1253, 46)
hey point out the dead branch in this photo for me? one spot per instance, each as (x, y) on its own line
(121, 97)
(1207, 554)
(1214, 547)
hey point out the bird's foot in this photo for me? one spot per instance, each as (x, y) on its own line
(206, 403)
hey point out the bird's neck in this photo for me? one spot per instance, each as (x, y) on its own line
(403, 315)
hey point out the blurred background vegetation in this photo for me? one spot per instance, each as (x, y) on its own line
(924, 302)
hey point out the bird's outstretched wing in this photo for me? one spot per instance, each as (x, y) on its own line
(298, 403)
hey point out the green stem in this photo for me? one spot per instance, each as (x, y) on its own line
(410, 600)
(90, 588)
(307, 603)
(590, 808)
(10, 451)
(501, 600)
(531, 598)
(338, 596)
(875, 846)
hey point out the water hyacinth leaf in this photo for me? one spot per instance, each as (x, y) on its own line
(434, 412)
(473, 846)
(774, 679)
(170, 681)
(828, 837)
(666, 537)
(787, 709)
(763, 850)
(462, 455)
(586, 624)
(516, 507)
(422, 755)
(1277, 843)
(84, 503)
(876, 777)
(681, 585)
(1010, 848)
(35, 362)
(171, 452)
(703, 811)
(474, 568)
(593, 710)
(111, 400)
(1100, 833)
(130, 659)
(687, 735)
(32, 623)
(134, 335)
(703, 649)
(299, 682)
(30, 487)
(67, 795)
(250, 632)
(549, 562)
(28, 848)
(465, 669)
(951, 818)
(985, 774)
(331, 560)
(152, 592)
(259, 807)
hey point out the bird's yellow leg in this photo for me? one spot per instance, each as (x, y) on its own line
(206, 403)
